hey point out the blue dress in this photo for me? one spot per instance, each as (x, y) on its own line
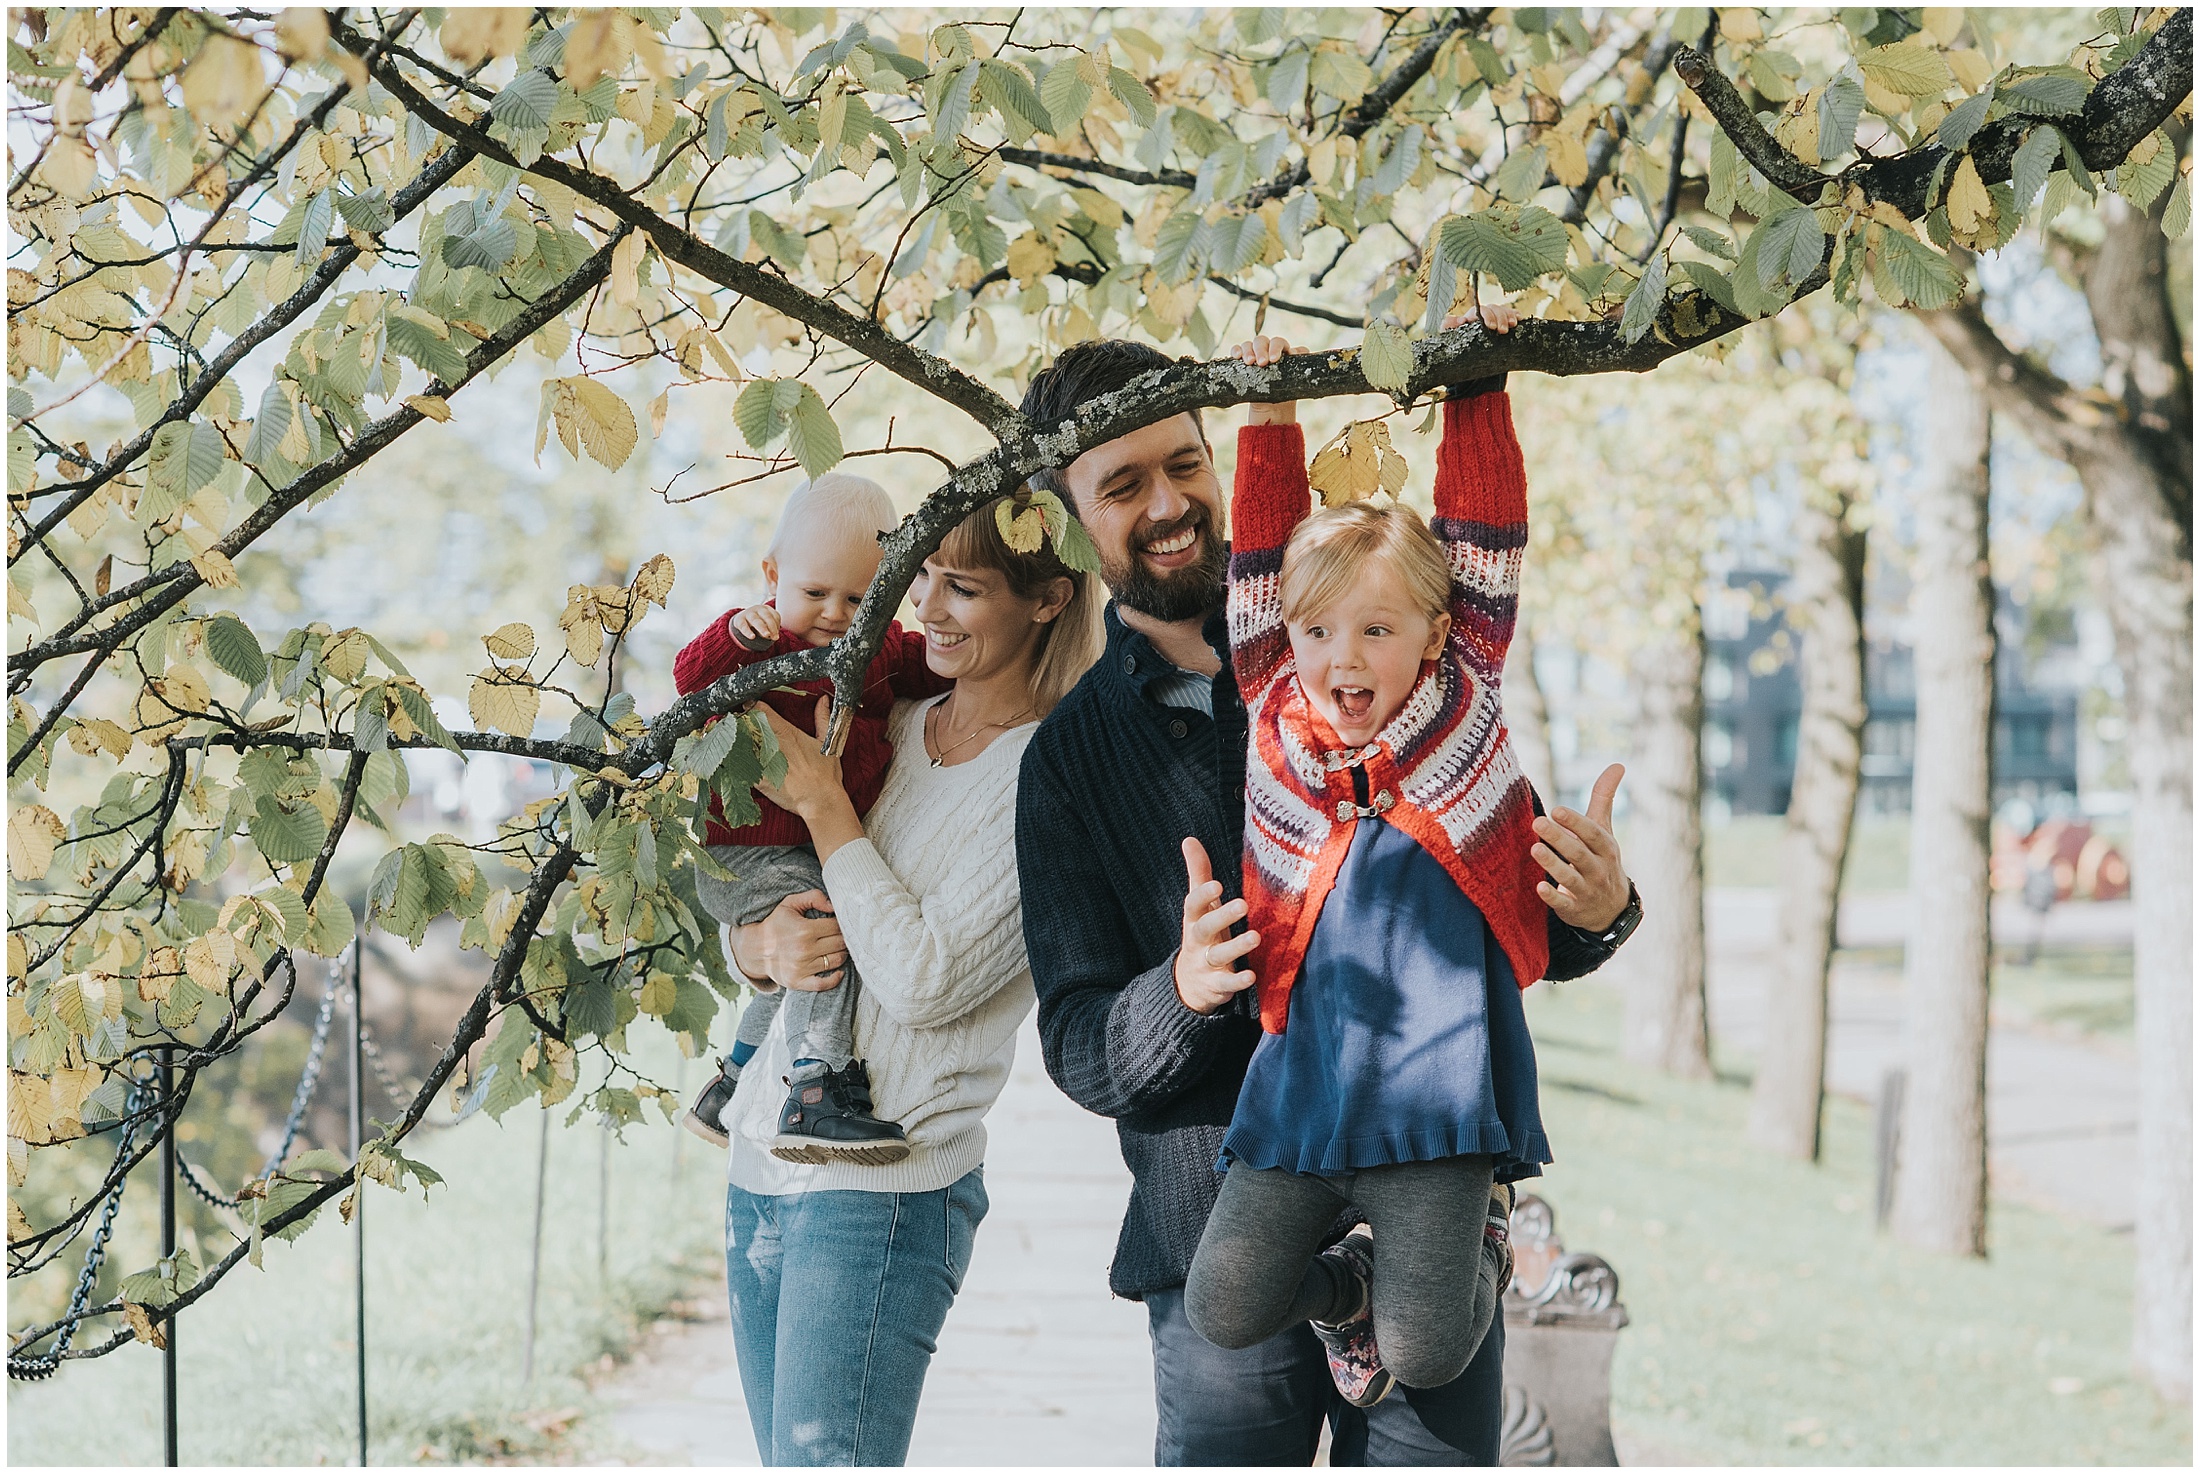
(1406, 1040)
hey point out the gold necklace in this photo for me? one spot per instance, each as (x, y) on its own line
(941, 754)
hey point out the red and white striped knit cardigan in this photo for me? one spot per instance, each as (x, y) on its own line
(1443, 770)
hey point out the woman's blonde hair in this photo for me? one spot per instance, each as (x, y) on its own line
(1328, 553)
(1071, 642)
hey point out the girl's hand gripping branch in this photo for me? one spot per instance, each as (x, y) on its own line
(1207, 956)
(1261, 352)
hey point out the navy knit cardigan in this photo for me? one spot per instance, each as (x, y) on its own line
(1111, 784)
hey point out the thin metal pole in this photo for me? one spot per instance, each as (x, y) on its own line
(534, 1260)
(603, 1203)
(359, 1195)
(168, 1250)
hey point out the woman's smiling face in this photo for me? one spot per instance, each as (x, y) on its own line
(974, 624)
(1358, 659)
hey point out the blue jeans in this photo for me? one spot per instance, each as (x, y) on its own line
(1265, 1404)
(838, 1299)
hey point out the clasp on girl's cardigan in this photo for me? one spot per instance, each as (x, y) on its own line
(1347, 809)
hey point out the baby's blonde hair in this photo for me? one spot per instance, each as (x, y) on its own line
(840, 504)
(1329, 552)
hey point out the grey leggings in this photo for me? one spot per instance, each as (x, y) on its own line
(820, 1026)
(1259, 1269)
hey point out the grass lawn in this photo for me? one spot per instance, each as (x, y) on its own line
(1770, 1323)
(266, 1361)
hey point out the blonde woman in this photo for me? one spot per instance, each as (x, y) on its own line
(840, 1275)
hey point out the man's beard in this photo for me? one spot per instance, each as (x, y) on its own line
(1191, 592)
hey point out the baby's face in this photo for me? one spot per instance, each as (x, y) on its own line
(817, 582)
(1358, 659)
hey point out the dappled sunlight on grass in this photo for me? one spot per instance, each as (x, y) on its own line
(1771, 1324)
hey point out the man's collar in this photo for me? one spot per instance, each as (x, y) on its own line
(1133, 655)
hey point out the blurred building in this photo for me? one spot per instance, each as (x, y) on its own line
(1753, 704)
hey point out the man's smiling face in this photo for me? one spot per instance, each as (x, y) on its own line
(1153, 505)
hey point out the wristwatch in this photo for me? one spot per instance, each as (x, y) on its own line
(1623, 926)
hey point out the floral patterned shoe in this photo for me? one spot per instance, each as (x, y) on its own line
(1354, 1363)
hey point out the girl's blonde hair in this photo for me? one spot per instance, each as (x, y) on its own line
(1071, 642)
(1329, 552)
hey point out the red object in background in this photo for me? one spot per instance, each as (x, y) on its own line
(2086, 866)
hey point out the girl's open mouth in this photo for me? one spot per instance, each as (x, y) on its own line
(1353, 702)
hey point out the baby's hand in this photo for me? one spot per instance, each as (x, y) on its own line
(1496, 316)
(1261, 352)
(756, 626)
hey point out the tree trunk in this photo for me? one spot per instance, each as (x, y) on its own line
(1940, 1180)
(1664, 963)
(2139, 497)
(2136, 466)
(1825, 605)
(1528, 716)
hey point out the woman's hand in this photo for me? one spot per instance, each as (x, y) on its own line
(1261, 352)
(1207, 955)
(1496, 316)
(1588, 885)
(811, 788)
(792, 948)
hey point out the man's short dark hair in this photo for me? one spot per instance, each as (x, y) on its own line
(1084, 372)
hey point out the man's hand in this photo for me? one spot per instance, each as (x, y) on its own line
(756, 626)
(1588, 885)
(1207, 956)
(1261, 352)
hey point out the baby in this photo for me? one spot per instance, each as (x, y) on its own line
(820, 562)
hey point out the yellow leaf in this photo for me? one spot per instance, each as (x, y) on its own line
(159, 976)
(19, 1226)
(99, 733)
(658, 408)
(345, 657)
(1029, 258)
(434, 406)
(301, 33)
(1569, 157)
(1023, 531)
(596, 418)
(144, 1325)
(1740, 25)
(583, 634)
(653, 581)
(19, 956)
(626, 268)
(223, 81)
(1972, 69)
(1944, 23)
(1969, 203)
(214, 566)
(659, 993)
(498, 701)
(724, 356)
(472, 35)
(1392, 476)
(32, 834)
(513, 641)
(182, 688)
(597, 45)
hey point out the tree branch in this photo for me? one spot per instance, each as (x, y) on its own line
(2062, 419)
(2125, 107)
(936, 376)
(177, 581)
(1033, 158)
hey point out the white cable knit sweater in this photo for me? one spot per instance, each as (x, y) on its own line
(928, 902)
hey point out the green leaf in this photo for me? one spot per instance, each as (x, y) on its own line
(234, 648)
(1075, 547)
(330, 925)
(289, 908)
(2142, 184)
(1521, 175)
(422, 715)
(1515, 246)
(812, 435)
(1714, 283)
(1792, 246)
(1645, 301)
(1725, 176)
(1286, 88)
(1180, 247)
(1132, 94)
(702, 752)
(490, 246)
(527, 102)
(287, 832)
(2177, 214)
(1010, 91)
(954, 109)
(1839, 106)
(1237, 242)
(589, 1009)
(2034, 160)
(1710, 241)
(2047, 95)
(411, 337)
(692, 1010)
(1386, 357)
(313, 226)
(765, 409)
(369, 210)
(1925, 277)
(1963, 120)
(1066, 96)
(1907, 68)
